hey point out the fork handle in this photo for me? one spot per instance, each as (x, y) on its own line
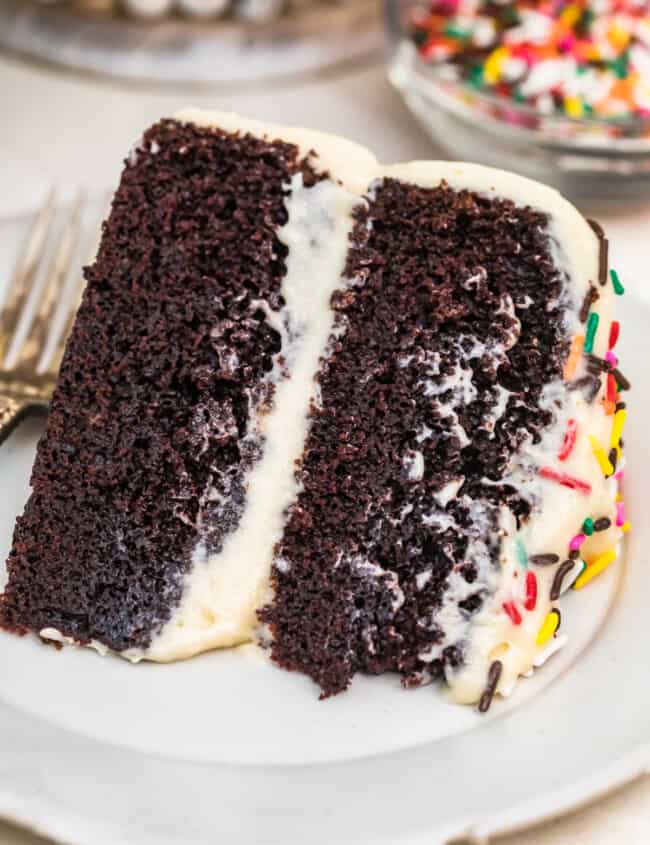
(11, 413)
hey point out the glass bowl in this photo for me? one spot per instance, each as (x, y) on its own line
(589, 159)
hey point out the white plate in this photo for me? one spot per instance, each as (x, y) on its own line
(227, 748)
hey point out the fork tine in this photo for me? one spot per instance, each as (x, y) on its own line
(41, 322)
(23, 276)
(52, 367)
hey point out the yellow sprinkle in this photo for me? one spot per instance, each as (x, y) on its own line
(617, 428)
(573, 106)
(493, 64)
(619, 497)
(626, 526)
(595, 568)
(618, 37)
(570, 15)
(548, 628)
(601, 456)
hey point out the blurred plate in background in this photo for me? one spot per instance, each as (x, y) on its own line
(313, 39)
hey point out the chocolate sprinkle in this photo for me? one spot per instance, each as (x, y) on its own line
(556, 587)
(589, 385)
(494, 674)
(603, 253)
(591, 296)
(613, 459)
(597, 228)
(544, 560)
(596, 365)
(574, 554)
(621, 406)
(602, 524)
(623, 383)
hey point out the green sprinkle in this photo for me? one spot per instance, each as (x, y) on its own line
(588, 526)
(475, 78)
(455, 31)
(420, 37)
(588, 17)
(616, 282)
(620, 65)
(522, 556)
(589, 109)
(518, 96)
(510, 16)
(592, 328)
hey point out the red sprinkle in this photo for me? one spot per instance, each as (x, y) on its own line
(611, 388)
(613, 333)
(511, 609)
(565, 480)
(531, 590)
(569, 440)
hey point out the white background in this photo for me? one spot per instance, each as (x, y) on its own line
(58, 129)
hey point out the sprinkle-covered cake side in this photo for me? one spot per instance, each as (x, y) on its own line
(152, 427)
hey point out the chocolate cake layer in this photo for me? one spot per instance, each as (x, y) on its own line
(450, 328)
(147, 443)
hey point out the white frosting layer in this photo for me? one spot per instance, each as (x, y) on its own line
(223, 591)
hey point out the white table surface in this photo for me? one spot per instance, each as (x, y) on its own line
(58, 128)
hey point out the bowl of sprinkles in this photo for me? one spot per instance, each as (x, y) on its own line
(558, 89)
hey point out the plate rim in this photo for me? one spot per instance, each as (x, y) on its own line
(75, 829)
(31, 807)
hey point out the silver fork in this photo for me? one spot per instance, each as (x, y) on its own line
(26, 378)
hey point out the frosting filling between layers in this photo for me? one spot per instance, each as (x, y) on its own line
(224, 590)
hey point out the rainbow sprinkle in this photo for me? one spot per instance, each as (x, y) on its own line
(576, 542)
(617, 428)
(616, 283)
(574, 357)
(531, 591)
(590, 336)
(522, 554)
(601, 456)
(512, 611)
(595, 568)
(549, 627)
(579, 58)
(565, 480)
(569, 440)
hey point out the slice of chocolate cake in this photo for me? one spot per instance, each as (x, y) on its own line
(365, 415)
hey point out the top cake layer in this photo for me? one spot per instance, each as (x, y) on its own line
(400, 331)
